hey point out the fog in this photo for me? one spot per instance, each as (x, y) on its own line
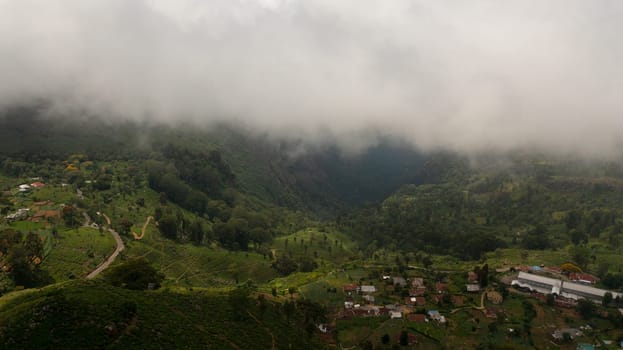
(465, 76)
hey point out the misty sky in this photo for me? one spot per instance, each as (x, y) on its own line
(461, 75)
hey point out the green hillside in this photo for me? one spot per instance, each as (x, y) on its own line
(93, 315)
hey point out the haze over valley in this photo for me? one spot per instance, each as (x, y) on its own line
(286, 174)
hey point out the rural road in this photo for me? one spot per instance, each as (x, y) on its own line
(136, 235)
(103, 266)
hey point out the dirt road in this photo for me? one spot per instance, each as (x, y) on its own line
(136, 235)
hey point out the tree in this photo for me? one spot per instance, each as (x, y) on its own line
(366, 345)
(607, 299)
(580, 254)
(71, 216)
(578, 237)
(239, 301)
(33, 245)
(404, 338)
(196, 232)
(385, 339)
(163, 198)
(483, 275)
(8, 238)
(261, 300)
(537, 238)
(312, 312)
(585, 308)
(125, 226)
(569, 268)
(168, 226)
(549, 299)
(136, 274)
(21, 269)
(573, 219)
(288, 309)
(284, 265)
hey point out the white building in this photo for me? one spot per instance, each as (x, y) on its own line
(546, 285)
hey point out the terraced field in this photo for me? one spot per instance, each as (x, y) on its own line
(198, 266)
(76, 252)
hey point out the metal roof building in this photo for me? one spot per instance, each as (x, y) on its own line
(546, 285)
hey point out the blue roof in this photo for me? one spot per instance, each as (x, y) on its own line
(585, 346)
(536, 268)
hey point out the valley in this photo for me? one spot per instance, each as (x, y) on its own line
(226, 257)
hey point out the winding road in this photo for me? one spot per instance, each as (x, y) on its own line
(136, 235)
(103, 266)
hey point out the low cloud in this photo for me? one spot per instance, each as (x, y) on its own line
(466, 76)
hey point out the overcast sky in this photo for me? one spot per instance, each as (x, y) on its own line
(462, 75)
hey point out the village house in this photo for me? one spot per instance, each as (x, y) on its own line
(46, 215)
(418, 291)
(395, 314)
(584, 278)
(559, 334)
(349, 289)
(472, 287)
(399, 281)
(368, 298)
(417, 282)
(436, 316)
(472, 277)
(20, 214)
(368, 289)
(415, 301)
(441, 287)
(417, 318)
(492, 312)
